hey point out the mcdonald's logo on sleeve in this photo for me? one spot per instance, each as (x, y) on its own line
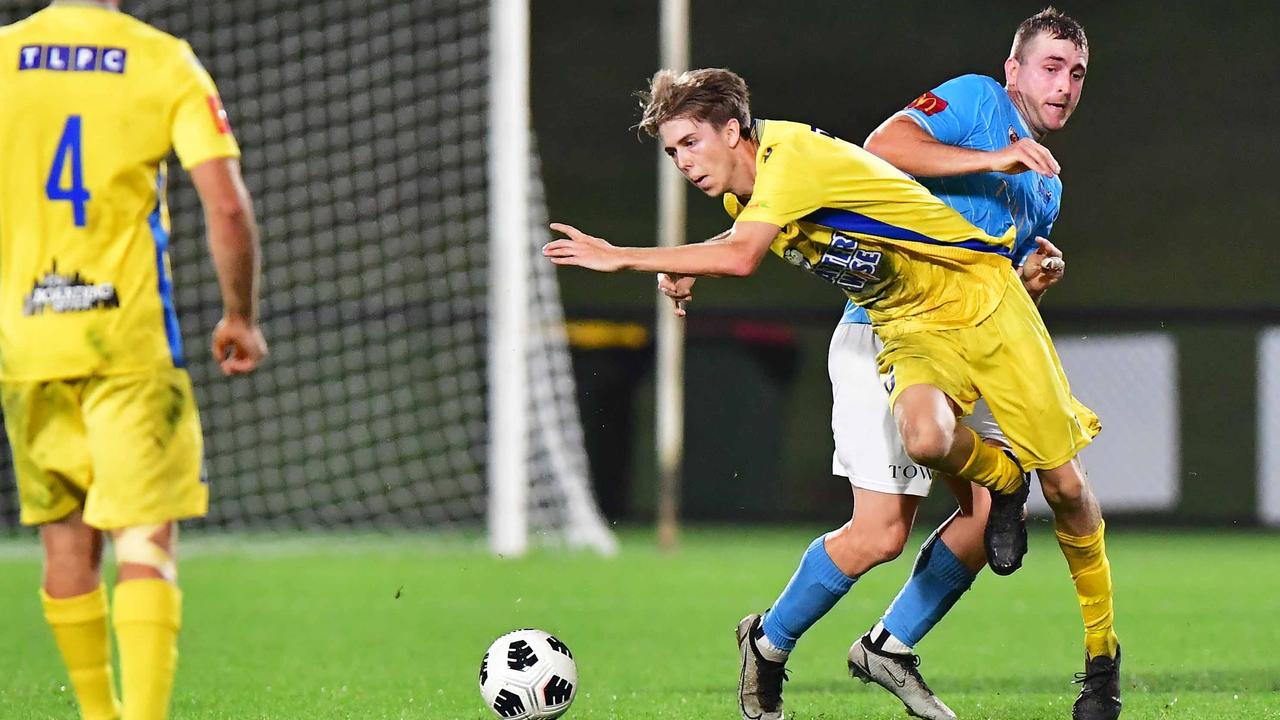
(929, 104)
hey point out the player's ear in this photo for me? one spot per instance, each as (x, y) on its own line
(1011, 71)
(732, 132)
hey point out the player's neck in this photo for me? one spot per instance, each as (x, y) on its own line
(1037, 134)
(744, 167)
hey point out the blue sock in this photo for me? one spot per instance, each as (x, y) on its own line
(937, 581)
(815, 588)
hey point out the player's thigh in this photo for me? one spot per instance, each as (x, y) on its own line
(46, 431)
(144, 438)
(868, 449)
(937, 359)
(983, 422)
(1024, 384)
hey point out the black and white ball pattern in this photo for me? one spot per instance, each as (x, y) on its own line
(528, 674)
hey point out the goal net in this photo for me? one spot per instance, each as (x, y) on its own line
(363, 125)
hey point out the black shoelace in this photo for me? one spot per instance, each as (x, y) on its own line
(769, 679)
(1096, 674)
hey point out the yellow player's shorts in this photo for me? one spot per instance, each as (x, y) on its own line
(1010, 360)
(125, 448)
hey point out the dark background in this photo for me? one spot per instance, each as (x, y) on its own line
(1169, 194)
(1167, 222)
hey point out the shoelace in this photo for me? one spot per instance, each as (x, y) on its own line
(769, 680)
(915, 673)
(1095, 674)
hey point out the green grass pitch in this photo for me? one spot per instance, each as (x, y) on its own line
(372, 627)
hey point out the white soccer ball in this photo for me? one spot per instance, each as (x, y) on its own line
(528, 675)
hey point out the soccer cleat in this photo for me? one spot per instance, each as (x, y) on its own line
(1099, 697)
(897, 673)
(1006, 537)
(759, 680)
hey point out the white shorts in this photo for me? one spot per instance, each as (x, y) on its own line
(868, 448)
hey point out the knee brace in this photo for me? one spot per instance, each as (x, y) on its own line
(134, 546)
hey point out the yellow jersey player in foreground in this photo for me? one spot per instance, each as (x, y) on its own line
(954, 319)
(97, 404)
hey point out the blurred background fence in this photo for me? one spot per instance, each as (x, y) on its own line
(360, 123)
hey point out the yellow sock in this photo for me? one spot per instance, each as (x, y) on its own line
(1091, 572)
(990, 467)
(79, 627)
(147, 617)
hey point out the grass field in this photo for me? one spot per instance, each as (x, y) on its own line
(394, 627)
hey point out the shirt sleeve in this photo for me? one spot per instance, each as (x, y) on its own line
(200, 128)
(784, 192)
(952, 111)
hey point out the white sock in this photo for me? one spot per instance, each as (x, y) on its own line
(884, 640)
(769, 651)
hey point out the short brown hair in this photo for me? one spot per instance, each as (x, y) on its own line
(1053, 22)
(712, 95)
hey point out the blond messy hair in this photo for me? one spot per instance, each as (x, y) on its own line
(710, 95)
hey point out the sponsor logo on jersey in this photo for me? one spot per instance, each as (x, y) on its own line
(61, 293)
(1046, 192)
(72, 58)
(219, 114)
(846, 265)
(929, 104)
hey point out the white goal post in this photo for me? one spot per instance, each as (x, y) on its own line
(529, 374)
(674, 39)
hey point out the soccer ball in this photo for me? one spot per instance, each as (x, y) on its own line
(528, 675)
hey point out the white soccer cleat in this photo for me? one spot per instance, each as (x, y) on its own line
(897, 673)
(759, 680)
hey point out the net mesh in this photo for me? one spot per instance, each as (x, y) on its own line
(363, 128)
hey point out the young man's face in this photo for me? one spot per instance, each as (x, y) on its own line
(702, 152)
(1047, 81)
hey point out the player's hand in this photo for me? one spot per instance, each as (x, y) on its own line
(1043, 268)
(238, 345)
(679, 288)
(1024, 155)
(582, 250)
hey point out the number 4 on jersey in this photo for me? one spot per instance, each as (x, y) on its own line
(76, 194)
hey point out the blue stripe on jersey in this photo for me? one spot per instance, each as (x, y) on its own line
(165, 285)
(856, 222)
(854, 314)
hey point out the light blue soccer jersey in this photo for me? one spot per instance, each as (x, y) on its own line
(974, 111)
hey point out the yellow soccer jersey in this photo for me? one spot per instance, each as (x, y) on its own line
(92, 103)
(860, 223)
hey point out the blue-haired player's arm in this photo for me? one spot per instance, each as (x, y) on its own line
(927, 138)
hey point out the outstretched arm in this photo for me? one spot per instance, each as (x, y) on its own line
(734, 253)
(911, 149)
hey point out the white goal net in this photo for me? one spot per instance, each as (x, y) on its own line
(363, 125)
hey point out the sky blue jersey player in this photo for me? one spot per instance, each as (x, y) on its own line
(976, 145)
(974, 111)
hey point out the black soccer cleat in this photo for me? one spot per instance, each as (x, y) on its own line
(1099, 697)
(759, 680)
(1005, 539)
